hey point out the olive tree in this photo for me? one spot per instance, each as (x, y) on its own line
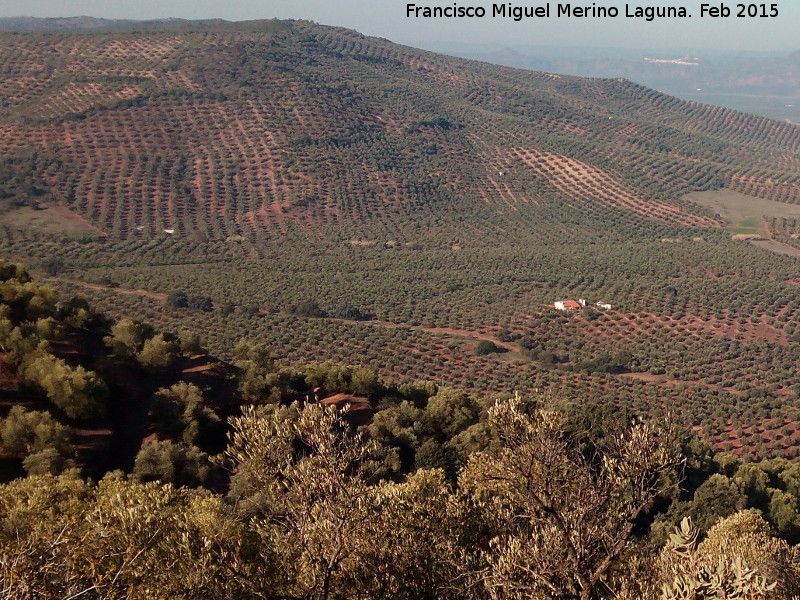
(560, 504)
(305, 478)
(739, 559)
(78, 392)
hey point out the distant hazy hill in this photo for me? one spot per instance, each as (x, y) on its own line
(265, 129)
(77, 23)
(716, 73)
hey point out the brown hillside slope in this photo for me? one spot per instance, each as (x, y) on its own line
(273, 128)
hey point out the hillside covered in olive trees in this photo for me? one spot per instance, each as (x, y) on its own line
(276, 128)
(342, 198)
(319, 481)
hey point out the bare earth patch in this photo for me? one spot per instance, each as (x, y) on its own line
(51, 220)
(736, 207)
(777, 247)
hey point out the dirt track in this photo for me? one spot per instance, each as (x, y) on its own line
(118, 290)
(513, 350)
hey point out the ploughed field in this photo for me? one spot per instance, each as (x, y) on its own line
(342, 197)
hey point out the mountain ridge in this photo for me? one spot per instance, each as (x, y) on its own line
(276, 128)
(85, 22)
(285, 181)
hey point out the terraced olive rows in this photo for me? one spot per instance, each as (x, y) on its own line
(290, 130)
(271, 166)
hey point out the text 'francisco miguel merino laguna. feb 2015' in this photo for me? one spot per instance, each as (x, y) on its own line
(591, 11)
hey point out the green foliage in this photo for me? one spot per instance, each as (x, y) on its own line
(26, 300)
(360, 213)
(158, 352)
(76, 312)
(349, 312)
(17, 344)
(419, 392)
(15, 271)
(50, 461)
(81, 394)
(728, 485)
(485, 347)
(337, 378)
(169, 462)
(608, 363)
(203, 303)
(307, 309)
(257, 363)
(450, 412)
(127, 337)
(39, 439)
(315, 512)
(783, 512)
(716, 498)
(432, 454)
(178, 299)
(739, 560)
(248, 353)
(542, 513)
(725, 581)
(49, 329)
(703, 366)
(53, 266)
(191, 343)
(544, 486)
(143, 541)
(179, 412)
(132, 339)
(565, 188)
(439, 435)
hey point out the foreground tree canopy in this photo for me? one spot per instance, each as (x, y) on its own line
(321, 481)
(550, 514)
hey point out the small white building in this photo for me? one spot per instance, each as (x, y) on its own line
(603, 305)
(567, 305)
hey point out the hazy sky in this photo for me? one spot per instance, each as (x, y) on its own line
(387, 18)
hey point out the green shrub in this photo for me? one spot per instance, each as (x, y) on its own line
(485, 347)
(81, 394)
(39, 439)
(158, 352)
(170, 462)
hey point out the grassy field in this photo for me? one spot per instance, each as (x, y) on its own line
(55, 220)
(742, 213)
